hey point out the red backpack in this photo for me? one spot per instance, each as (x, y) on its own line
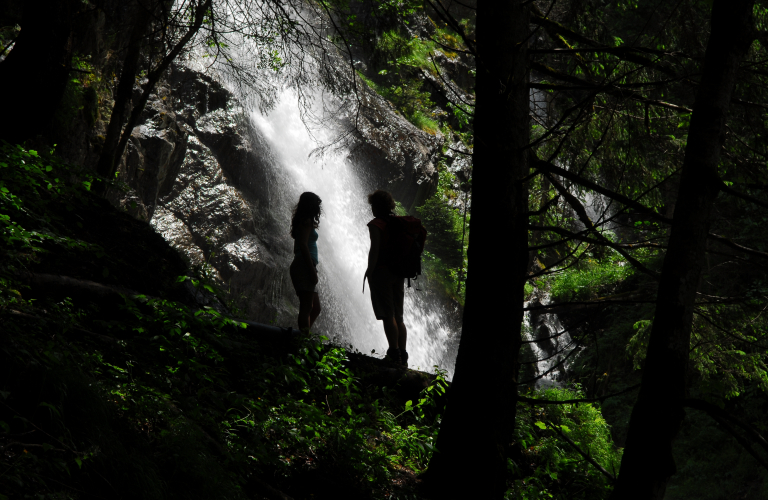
(402, 253)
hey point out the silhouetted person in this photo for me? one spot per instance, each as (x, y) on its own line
(387, 290)
(304, 223)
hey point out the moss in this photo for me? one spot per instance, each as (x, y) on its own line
(424, 122)
(81, 97)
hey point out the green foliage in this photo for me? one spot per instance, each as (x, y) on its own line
(446, 278)
(550, 467)
(410, 100)
(188, 378)
(590, 278)
(397, 57)
(444, 258)
(424, 122)
(81, 95)
(30, 184)
(145, 395)
(398, 51)
(444, 229)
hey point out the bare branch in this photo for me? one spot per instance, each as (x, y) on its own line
(725, 241)
(571, 176)
(727, 189)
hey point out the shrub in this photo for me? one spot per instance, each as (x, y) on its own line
(590, 278)
(550, 466)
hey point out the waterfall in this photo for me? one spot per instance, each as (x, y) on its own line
(537, 327)
(343, 242)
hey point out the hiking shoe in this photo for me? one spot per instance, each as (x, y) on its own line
(393, 356)
(404, 358)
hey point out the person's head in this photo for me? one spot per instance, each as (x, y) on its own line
(382, 203)
(306, 211)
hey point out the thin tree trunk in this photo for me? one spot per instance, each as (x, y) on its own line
(648, 463)
(124, 92)
(477, 428)
(152, 78)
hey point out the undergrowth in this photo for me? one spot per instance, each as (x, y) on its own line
(561, 470)
(149, 395)
(139, 396)
(590, 278)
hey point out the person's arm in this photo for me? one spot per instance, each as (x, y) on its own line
(302, 239)
(373, 253)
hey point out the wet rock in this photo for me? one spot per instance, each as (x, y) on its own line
(253, 277)
(196, 94)
(199, 171)
(457, 71)
(178, 235)
(214, 211)
(397, 155)
(154, 155)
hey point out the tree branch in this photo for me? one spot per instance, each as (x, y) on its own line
(544, 207)
(450, 21)
(553, 29)
(602, 240)
(612, 89)
(727, 189)
(725, 241)
(571, 176)
(153, 77)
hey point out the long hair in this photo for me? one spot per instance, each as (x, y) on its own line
(307, 209)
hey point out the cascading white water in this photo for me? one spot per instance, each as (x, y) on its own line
(548, 324)
(344, 242)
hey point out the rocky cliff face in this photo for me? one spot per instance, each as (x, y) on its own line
(200, 173)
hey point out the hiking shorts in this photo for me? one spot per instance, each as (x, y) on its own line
(301, 276)
(387, 294)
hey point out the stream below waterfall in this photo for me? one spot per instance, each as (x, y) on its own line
(549, 343)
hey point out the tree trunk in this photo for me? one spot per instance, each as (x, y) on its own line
(200, 9)
(476, 430)
(124, 92)
(35, 73)
(648, 463)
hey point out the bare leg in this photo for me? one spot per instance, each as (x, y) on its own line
(402, 335)
(390, 330)
(305, 309)
(315, 312)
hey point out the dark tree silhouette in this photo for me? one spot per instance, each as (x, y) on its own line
(35, 72)
(648, 463)
(476, 431)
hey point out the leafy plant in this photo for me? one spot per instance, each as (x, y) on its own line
(551, 467)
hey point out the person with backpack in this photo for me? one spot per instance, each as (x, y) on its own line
(395, 254)
(304, 223)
